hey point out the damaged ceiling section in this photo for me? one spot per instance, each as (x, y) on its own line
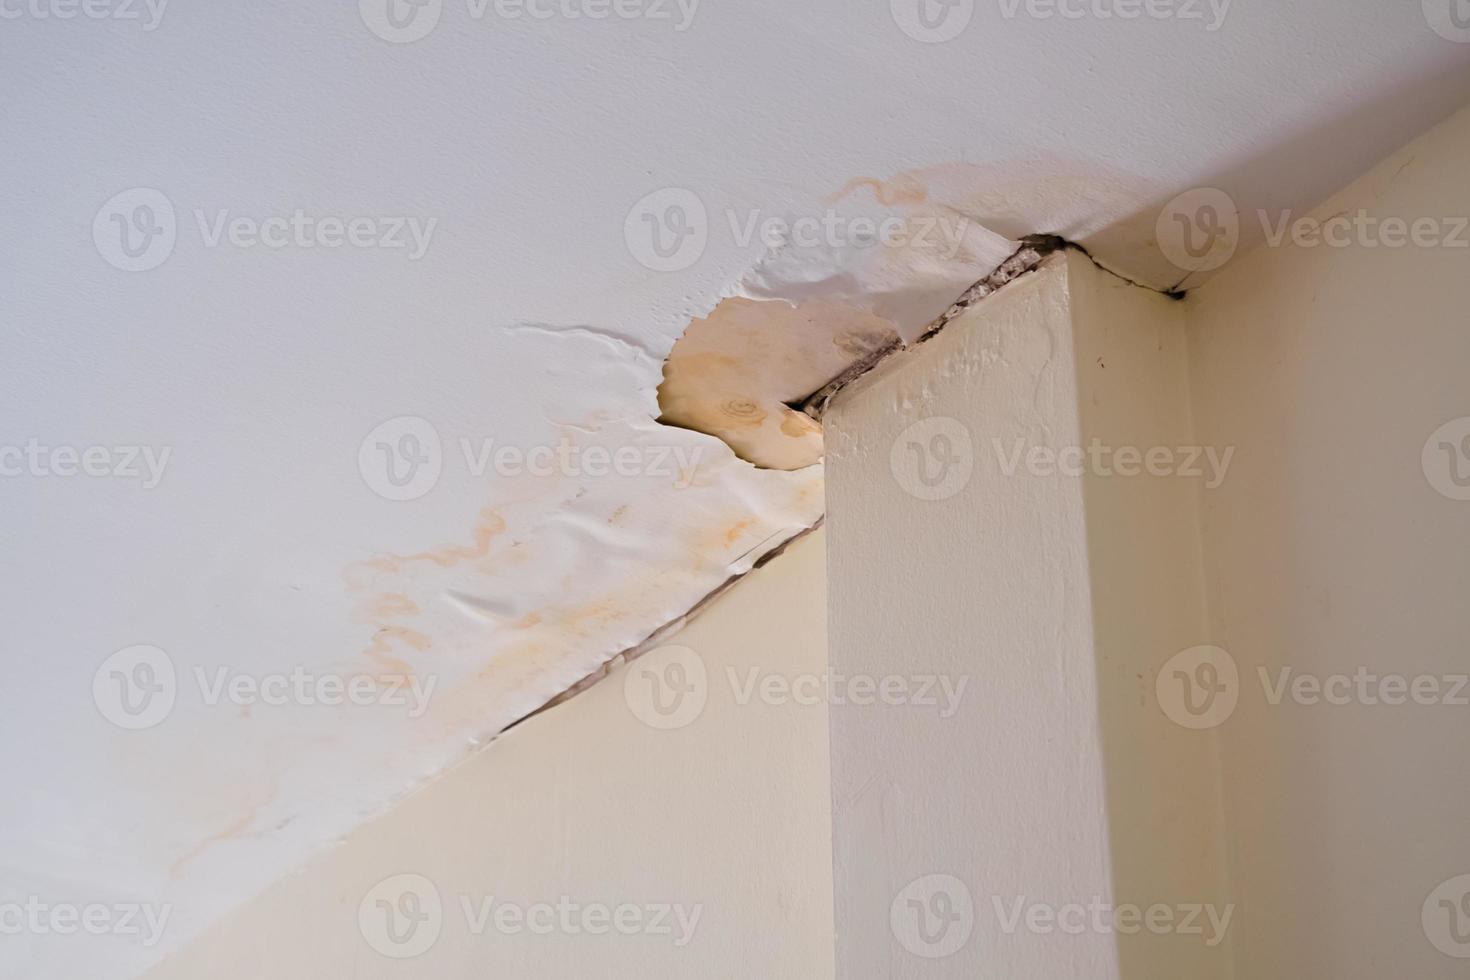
(633, 477)
(462, 483)
(757, 372)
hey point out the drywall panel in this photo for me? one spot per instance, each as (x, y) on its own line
(674, 817)
(1335, 365)
(984, 553)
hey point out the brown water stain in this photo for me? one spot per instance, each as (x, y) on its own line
(734, 373)
(488, 526)
(234, 830)
(904, 189)
(385, 639)
(387, 606)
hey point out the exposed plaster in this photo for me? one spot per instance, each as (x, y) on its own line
(808, 312)
(735, 373)
(759, 375)
(1033, 251)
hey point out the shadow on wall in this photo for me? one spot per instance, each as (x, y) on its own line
(1161, 772)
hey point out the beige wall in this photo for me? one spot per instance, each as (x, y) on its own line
(959, 550)
(1096, 614)
(725, 814)
(1329, 550)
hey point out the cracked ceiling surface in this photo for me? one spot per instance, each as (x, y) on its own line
(329, 366)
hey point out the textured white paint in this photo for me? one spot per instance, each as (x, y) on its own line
(517, 147)
(1332, 553)
(1053, 599)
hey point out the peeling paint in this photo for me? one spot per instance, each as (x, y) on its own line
(734, 372)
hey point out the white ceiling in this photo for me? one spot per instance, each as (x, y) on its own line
(529, 320)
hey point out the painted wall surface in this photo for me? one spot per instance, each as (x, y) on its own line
(1244, 685)
(713, 802)
(1337, 560)
(1054, 785)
